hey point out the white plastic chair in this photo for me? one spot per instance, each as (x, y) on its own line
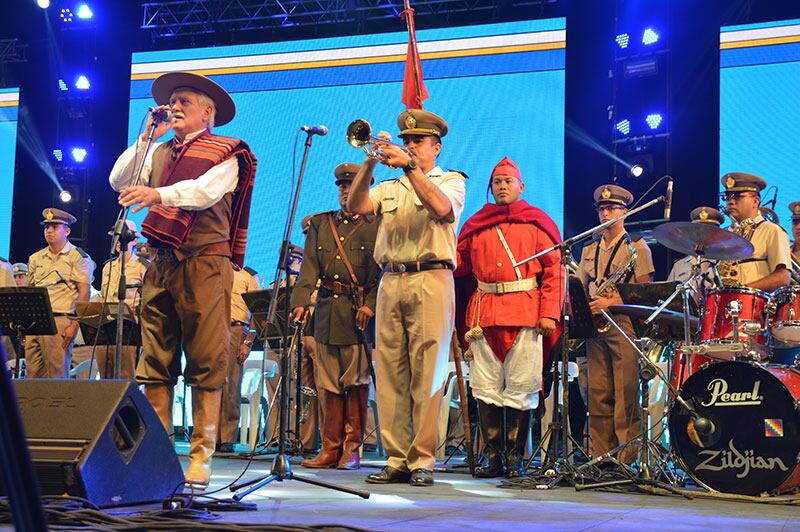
(450, 400)
(254, 394)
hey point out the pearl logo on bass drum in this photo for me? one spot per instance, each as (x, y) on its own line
(721, 397)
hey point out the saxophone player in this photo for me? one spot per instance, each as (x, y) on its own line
(768, 268)
(613, 370)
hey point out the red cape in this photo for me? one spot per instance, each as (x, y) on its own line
(487, 217)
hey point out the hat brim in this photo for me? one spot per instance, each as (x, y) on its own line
(610, 201)
(421, 131)
(45, 222)
(165, 85)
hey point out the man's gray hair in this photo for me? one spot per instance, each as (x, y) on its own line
(203, 99)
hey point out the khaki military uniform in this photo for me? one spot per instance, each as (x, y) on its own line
(772, 249)
(415, 316)
(135, 269)
(244, 280)
(47, 357)
(613, 368)
(7, 281)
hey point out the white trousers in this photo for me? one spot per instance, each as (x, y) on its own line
(517, 381)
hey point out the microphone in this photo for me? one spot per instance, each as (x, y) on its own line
(163, 115)
(315, 130)
(668, 200)
(704, 426)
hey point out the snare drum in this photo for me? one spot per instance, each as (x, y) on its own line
(785, 327)
(716, 325)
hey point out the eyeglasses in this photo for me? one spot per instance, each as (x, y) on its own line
(610, 208)
(735, 196)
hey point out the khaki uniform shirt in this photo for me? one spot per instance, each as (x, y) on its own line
(60, 274)
(682, 271)
(134, 275)
(772, 249)
(243, 281)
(334, 315)
(6, 274)
(642, 267)
(406, 230)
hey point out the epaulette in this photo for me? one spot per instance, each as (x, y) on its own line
(250, 270)
(458, 172)
(389, 180)
(306, 223)
(83, 253)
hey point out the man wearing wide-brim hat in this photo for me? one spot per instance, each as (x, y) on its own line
(198, 187)
(768, 268)
(418, 215)
(613, 393)
(65, 270)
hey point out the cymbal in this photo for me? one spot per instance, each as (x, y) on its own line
(666, 317)
(706, 240)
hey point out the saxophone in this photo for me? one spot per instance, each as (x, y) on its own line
(729, 269)
(606, 289)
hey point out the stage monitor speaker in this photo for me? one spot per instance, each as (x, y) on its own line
(100, 440)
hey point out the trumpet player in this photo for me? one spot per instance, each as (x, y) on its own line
(418, 216)
(795, 208)
(339, 265)
(613, 369)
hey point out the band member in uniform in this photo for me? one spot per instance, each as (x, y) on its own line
(768, 268)
(416, 246)
(198, 188)
(682, 269)
(66, 271)
(109, 286)
(244, 280)
(20, 274)
(510, 315)
(338, 259)
(6, 274)
(613, 368)
(794, 207)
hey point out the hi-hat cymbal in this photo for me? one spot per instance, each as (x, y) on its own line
(706, 240)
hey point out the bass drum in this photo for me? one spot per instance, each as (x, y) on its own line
(754, 446)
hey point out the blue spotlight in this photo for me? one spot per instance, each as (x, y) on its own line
(58, 154)
(654, 120)
(82, 82)
(650, 36)
(65, 196)
(62, 85)
(623, 126)
(66, 15)
(84, 12)
(623, 39)
(44, 4)
(79, 154)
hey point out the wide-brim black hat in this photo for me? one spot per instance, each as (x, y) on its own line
(165, 85)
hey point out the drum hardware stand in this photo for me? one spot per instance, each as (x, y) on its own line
(281, 468)
(554, 470)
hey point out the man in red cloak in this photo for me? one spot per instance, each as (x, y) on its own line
(512, 314)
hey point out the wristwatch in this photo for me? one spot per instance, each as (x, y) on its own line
(412, 164)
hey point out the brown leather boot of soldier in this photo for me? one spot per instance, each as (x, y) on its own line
(332, 432)
(355, 415)
(205, 415)
(161, 397)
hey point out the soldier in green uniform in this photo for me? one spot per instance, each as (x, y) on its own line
(66, 271)
(339, 262)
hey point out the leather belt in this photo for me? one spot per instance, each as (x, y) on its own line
(508, 287)
(418, 266)
(64, 315)
(337, 287)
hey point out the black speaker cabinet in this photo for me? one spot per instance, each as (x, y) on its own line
(100, 440)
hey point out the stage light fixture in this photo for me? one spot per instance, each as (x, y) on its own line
(66, 15)
(65, 196)
(62, 85)
(654, 120)
(637, 170)
(623, 126)
(58, 154)
(650, 36)
(44, 4)
(79, 154)
(82, 82)
(84, 12)
(623, 39)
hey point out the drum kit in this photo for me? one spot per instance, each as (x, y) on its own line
(734, 416)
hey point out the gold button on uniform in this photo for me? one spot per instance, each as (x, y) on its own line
(341, 238)
(346, 222)
(335, 296)
(338, 257)
(335, 275)
(499, 264)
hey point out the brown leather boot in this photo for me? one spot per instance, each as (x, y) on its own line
(332, 432)
(355, 414)
(205, 414)
(161, 397)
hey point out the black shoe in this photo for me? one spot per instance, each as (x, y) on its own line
(421, 477)
(518, 427)
(492, 469)
(389, 475)
(491, 423)
(227, 448)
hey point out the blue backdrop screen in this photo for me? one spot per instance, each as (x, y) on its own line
(759, 113)
(490, 83)
(9, 110)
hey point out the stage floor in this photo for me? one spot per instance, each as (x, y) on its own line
(459, 502)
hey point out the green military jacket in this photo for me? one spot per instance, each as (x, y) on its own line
(334, 316)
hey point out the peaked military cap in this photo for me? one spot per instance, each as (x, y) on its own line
(419, 122)
(52, 215)
(795, 208)
(742, 182)
(614, 194)
(707, 215)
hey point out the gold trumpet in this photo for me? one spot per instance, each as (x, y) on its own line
(359, 135)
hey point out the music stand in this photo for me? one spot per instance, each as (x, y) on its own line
(581, 323)
(257, 302)
(103, 315)
(26, 310)
(669, 325)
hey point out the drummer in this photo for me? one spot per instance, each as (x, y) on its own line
(795, 208)
(682, 269)
(768, 268)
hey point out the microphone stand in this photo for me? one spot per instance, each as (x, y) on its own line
(281, 468)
